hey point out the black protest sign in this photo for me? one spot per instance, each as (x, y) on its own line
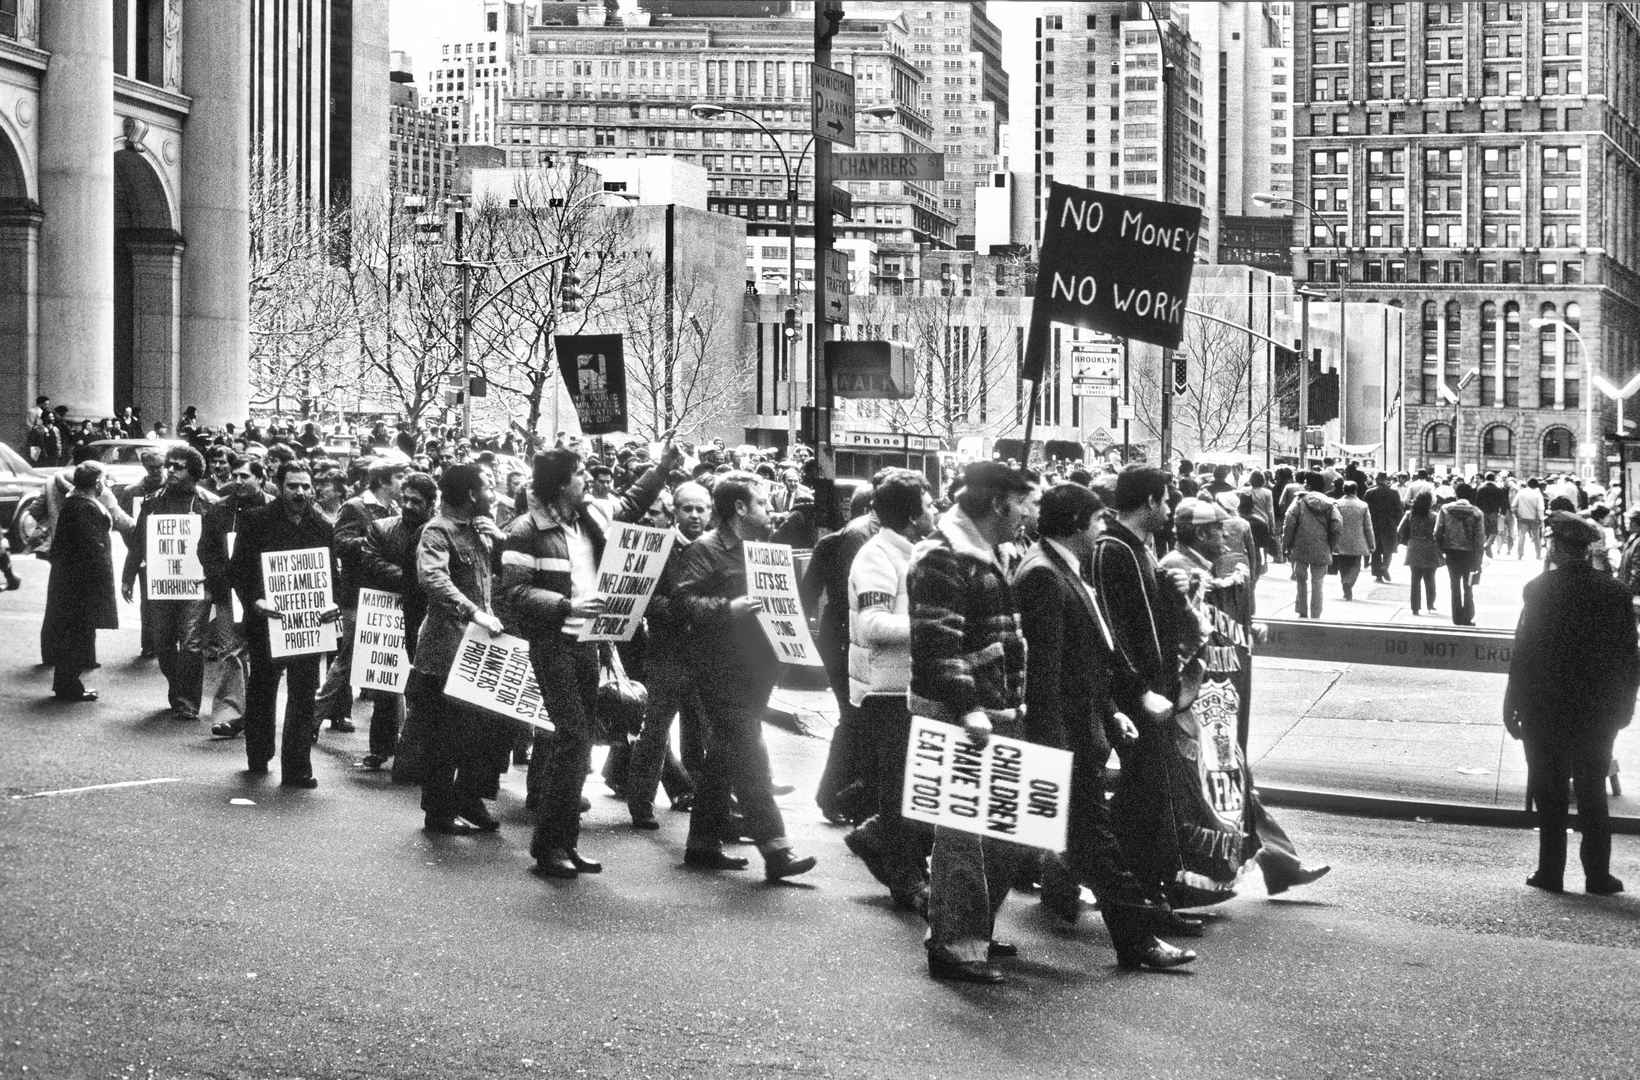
(594, 370)
(1112, 263)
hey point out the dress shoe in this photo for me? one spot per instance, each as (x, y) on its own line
(83, 695)
(257, 768)
(781, 864)
(373, 762)
(973, 971)
(645, 822)
(307, 783)
(186, 716)
(586, 804)
(13, 582)
(778, 790)
(447, 825)
(478, 816)
(344, 726)
(585, 866)
(1158, 954)
(1302, 876)
(224, 729)
(1605, 885)
(707, 859)
(684, 803)
(1171, 923)
(859, 842)
(1546, 882)
(556, 863)
(1001, 950)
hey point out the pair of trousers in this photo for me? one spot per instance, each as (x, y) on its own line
(852, 755)
(335, 698)
(177, 632)
(261, 699)
(224, 678)
(737, 763)
(671, 694)
(1463, 593)
(74, 651)
(886, 720)
(1424, 576)
(1381, 558)
(567, 673)
(1093, 855)
(1278, 857)
(1309, 577)
(1349, 569)
(1552, 759)
(460, 753)
(1531, 528)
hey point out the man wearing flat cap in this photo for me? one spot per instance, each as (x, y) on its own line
(1573, 673)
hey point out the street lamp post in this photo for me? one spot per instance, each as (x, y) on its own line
(1456, 398)
(1588, 447)
(1265, 199)
(1619, 395)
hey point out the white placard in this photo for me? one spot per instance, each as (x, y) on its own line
(1007, 790)
(634, 556)
(174, 570)
(380, 661)
(771, 576)
(297, 584)
(494, 673)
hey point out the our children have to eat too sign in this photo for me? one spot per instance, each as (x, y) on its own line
(297, 585)
(172, 557)
(771, 576)
(380, 661)
(634, 556)
(1007, 789)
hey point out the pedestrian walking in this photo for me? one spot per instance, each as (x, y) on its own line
(226, 665)
(80, 593)
(1529, 511)
(1459, 530)
(968, 670)
(1310, 537)
(1356, 541)
(1385, 509)
(1417, 534)
(1573, 673)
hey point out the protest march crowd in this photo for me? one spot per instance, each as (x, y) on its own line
(990, 645)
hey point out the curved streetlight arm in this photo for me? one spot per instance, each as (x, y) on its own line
(493, 297)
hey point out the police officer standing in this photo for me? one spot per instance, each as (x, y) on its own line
(1572, 680)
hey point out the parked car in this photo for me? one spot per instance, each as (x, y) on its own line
(20, 485)
(123, 459)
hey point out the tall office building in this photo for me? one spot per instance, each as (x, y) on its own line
(420, 160)
(470, 75)
(1100, 101)
(1468, 163)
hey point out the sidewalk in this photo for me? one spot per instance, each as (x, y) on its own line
(1362, 738)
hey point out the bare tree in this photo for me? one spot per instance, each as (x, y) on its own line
(678, 377)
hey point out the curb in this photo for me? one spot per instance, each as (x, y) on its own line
(1381, 806)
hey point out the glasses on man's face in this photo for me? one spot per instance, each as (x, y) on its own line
(176, 464)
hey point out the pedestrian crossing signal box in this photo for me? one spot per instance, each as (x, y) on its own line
(871, 369)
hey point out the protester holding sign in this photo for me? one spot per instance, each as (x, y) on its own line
(388, 563)
(968, 671)
(467, 749)
(225, 663)
(549, 570)
(735, 668)
(289, 524)
(165, 551)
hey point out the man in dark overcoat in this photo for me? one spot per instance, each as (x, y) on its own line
(80, 595)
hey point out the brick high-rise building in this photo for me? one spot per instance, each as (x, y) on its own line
(1473, 164)
(420, 160)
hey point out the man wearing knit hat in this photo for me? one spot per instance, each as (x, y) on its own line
(1573, 673)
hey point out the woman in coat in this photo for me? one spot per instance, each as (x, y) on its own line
(1417, 534)
(80, 596)
(1460, 529)
(1355, 538)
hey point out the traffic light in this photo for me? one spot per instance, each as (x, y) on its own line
(791, 326)
(1181, 370)
(569, 292)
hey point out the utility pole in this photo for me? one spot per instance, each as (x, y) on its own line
(828, 17)
(1166, 195)
(1303, 378)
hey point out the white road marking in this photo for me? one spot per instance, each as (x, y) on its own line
(100, 787)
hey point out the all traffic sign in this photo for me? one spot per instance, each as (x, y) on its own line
(832, 117)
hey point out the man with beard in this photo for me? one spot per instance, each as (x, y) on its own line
(968, 671)
(225, 666)
(176, 626)
(549, 570)
(290, 523)
(1068, 706)
(672, 691)
(735, 668)
(387, 562)
(879, 671)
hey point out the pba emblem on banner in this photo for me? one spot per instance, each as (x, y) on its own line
(593, 367)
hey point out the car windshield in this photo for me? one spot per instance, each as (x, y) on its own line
(12, 463)
(127, 454)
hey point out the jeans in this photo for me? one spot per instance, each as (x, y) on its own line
(1425, 576)
(567, 672)
(178, 634)
(852, 756)
(1463, 593)
(671, 694)
(886, 720)
(261, 699)
(1533, 528)
(1553, 758)
(1308, 603)
(225, 667)
(462, 748)
(1349, 569)
(737, 761)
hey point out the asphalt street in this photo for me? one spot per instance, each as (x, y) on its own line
(215, 925)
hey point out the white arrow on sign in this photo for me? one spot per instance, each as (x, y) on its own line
(832, 118)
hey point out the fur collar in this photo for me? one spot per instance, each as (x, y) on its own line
(964, 536)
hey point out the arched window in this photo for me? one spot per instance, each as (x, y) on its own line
(1557, 444)
(1438, 439)
(1499, 442)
